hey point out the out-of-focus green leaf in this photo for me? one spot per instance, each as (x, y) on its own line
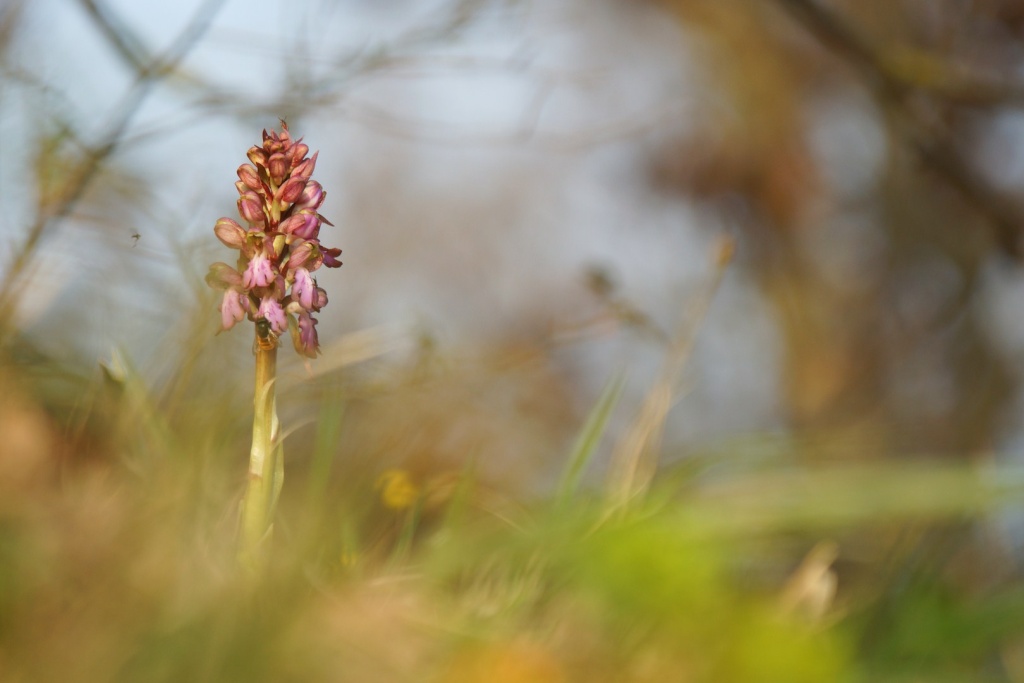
(588, 439)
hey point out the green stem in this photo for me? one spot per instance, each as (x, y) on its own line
(266, 464)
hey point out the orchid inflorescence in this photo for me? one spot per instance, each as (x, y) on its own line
(279, 250)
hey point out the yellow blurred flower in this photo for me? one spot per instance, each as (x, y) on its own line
(397, 490)
(505, 663)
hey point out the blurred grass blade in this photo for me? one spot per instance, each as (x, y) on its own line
(589, 437)
(407, 534)
(827, 498)
(137, 413)
(324, 450)
(455, 513)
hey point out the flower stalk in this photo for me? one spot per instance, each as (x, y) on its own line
(272, 285)
(266, 462)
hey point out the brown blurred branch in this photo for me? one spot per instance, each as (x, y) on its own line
(307, 92)
(148, 74)
(9, 18)
(123, 40)
(931, 142)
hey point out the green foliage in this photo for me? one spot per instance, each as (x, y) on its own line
(128, 564)
(589, 438)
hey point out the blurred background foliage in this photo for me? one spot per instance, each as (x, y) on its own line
(676, 341)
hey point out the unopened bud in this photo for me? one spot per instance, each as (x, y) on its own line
(277, 165)
(312, 196)
(251, 208)
(301, 253)
(230, 233)
(257, 156)
(291, 190)
(250, 177)
(298, 153)
(305, 169)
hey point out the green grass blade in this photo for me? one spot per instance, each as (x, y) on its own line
(325, 451)
(589, 438)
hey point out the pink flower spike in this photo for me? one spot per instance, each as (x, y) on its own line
(230, 233)
(271, 310)
(233, 308)
(303, 290)
(259, 272)
(276, 242)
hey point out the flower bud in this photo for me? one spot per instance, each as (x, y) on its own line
(271, 142)
(300, 255)
(290, 224)
(257, 156)
(305, 169)
(230, 233)
(277, 244)
(250, 177)
(298, 152)
(302, 224)
(312, 196)
(277, 166)
(291, 190)
(223, 276)
(251, 208)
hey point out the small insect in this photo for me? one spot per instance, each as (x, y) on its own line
(135, 238)
(266, 338)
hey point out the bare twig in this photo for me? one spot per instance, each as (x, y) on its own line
(124, 41)
(929, 140)
(84, 173)
(636, 456)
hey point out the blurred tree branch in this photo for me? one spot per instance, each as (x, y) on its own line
(9, 18)
(894, 85)
(119, 35)
(148, 73)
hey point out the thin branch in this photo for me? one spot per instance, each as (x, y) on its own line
(932, 143)
(83, 175)
(124, 41)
